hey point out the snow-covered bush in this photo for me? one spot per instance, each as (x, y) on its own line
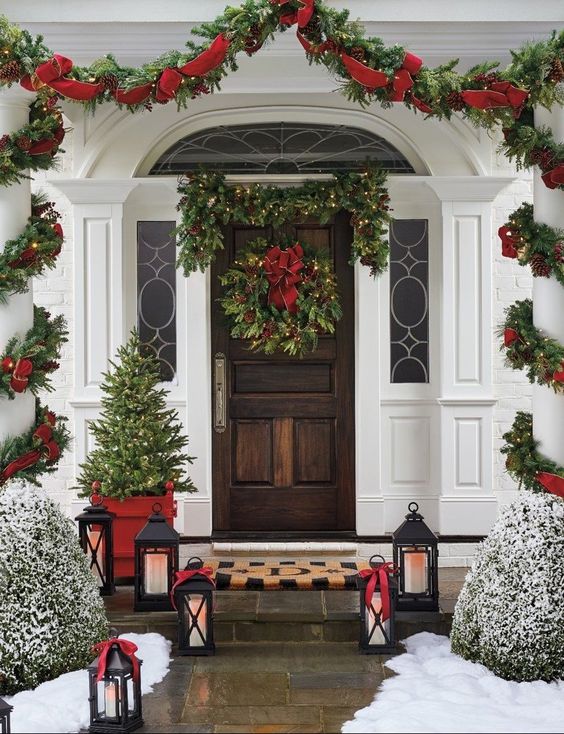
(51, 612)
(510, 613)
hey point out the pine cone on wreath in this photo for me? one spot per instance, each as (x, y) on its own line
(200, 88)
(331, 46)
(540, 267)
(535, 156)
(556, 73)
(486, 79)
(559, 252)
(24, 142)
(268, 330)
(249, 317)
(357, 53)
(4, 140)
(311, 28)
(455, 101)
(110, 81)
(194, 229)
(10, 72)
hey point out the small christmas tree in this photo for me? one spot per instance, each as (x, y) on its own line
(139, 441)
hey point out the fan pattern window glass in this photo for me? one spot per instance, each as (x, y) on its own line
(409, 300)
(156, 292)
(280, 148)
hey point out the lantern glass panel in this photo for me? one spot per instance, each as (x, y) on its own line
(95, 535)
(195, 616)
(415, 564)
(108, 699)
(157, 565)
(377, 632)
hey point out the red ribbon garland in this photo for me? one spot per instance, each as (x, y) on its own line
(558, 375)
(552, 483)
(508, 241)
(499, 94)
(53, 74)
(510, 336)
(42, 434)
(301, 17)
(181, 576)
(401, 83)
(103, 648)
(555, 177)
(282, 268)
(378, 578)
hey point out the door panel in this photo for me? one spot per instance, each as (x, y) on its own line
(285, 460)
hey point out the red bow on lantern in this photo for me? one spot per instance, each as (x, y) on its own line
(508, 242)
(181, 576)
(552, 483)
(282, 268)
(510, 336)
(499, 94)
(554, 178)
(53, 74)
(103, 648)
(378, 578)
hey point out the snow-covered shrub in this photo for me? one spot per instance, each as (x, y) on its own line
(51, 612)
(510, 613)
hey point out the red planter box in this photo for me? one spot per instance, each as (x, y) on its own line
(130, 516)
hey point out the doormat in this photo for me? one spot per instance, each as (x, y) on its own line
(272, 575)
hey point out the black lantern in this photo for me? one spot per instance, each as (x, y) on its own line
(96, 539)
(5, 711)
(156, 562)
(115, 699)
(416, 554)
(193, 599)
(378, 591)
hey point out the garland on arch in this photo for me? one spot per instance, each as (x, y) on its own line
(208, 202)
(37, 451)
(525, 464)
(533, 243)
(526, 347)
(26, 364)
(281, 299)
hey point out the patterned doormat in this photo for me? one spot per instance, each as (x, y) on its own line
(257, 575)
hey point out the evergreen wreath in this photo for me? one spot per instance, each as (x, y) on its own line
(527, 347)
(533, 243)
(208, 203)
(524, 462)
(36, 248)
(281, 299)
(26, 364)
(37, 451)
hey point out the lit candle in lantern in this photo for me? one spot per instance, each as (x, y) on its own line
(110, 700)
(415, 572)
(156, 578)
(98, 554)
(374, 632)
(198, 612)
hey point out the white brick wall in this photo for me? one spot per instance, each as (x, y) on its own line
(510, 280)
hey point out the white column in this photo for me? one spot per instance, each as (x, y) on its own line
(548, 304)
(16, 317)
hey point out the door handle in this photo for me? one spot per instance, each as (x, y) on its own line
(220, 406)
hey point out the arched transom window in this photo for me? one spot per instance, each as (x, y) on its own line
(280, 148)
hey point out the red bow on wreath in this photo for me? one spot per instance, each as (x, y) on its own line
(181, 576)
(378, 578)
(282, 268)
(510, 336)
(508, 242)
(53, 74)
(20, 370)
(43, 435)
(103, 649)
(499, 94)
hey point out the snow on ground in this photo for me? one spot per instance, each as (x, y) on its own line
(437, 691)
(61, 705)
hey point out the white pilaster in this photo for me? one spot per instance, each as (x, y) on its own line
(16, 317)
(548, 304)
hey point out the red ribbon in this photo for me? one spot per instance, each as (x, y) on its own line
(282, 268)
(42, 434)
(301, 17)
(181, 576)
(168, 84)
(510, 336)
(378, 578)
(127, 648)
(133, 96)
(20, 375)
(559, 374)
(499, 94)
(53, 74)
(554, 178)
(209, 59)
(552, 483)
(508, 242)
(373, 79)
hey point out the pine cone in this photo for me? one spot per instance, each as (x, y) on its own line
(249, 317)
(455, 101)
(539, 266)
(240, 298)
(556, 74)
(10, 72)
(486, 79)
(4, 140)
(109, 80)
(200, 88)
(24, 142)
(559, 252)
(357, 53)
(194, 229)
(547, 158)
(331, 46)
(311, 28)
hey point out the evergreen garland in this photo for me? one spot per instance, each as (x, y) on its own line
(36, 248)
(208, 203)
(534, 243)
(526, 347)
(26, 364)
(250, 316)
(524, 462)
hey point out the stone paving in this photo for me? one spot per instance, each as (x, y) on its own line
(285, 662)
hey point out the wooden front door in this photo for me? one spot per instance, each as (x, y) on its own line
(285, 459)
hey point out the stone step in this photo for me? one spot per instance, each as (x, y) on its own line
(276, 616)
